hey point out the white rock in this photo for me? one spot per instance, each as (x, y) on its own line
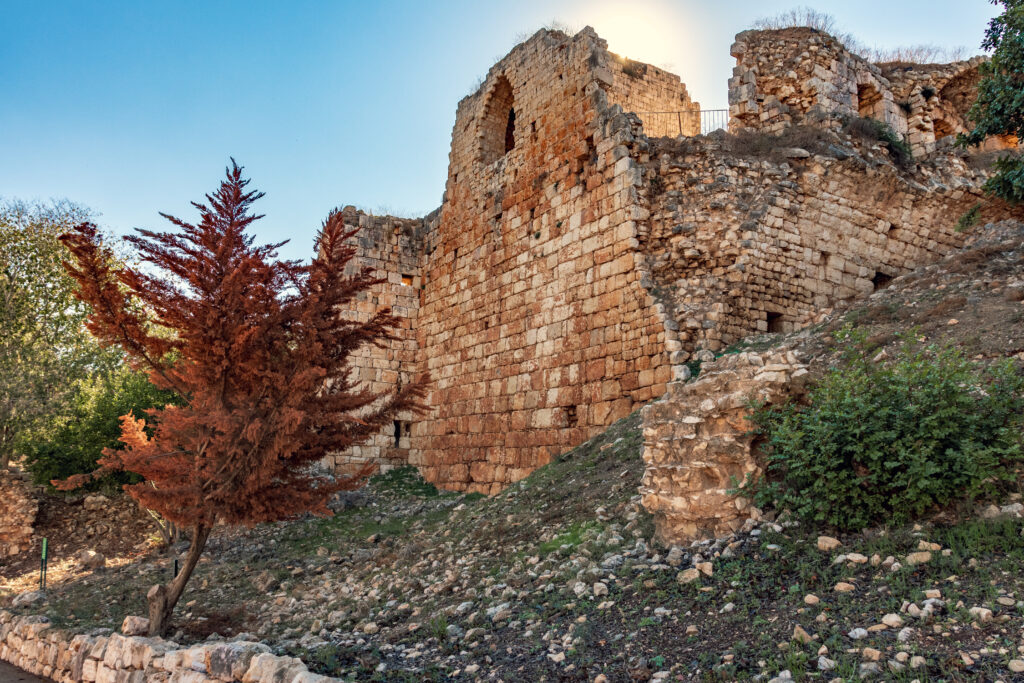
(827, 543)
(892, 620)
(135, 626)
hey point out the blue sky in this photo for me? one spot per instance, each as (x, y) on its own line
(131, 108)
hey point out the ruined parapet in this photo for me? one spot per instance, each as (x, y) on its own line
(658, 97)
(936, 99)
(801, 75)
(789, 76)
(18, 510)
(698, 445)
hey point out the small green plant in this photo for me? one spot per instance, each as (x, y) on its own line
(969, 219)
(405, 480)
(884, 442)
(874, 130)
(438, 627)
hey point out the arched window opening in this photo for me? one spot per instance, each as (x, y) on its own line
(510, 131)
(868, 101)
(498, 123)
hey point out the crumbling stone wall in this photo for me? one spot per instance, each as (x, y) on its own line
(32, 644)
(698, 447)
(796, 75)
(18, 509)
(742, 245)
(533, 326)
(658, 97)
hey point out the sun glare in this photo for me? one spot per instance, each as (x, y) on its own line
(640, 31)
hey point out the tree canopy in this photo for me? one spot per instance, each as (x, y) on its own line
(44, 348)
(999, 108)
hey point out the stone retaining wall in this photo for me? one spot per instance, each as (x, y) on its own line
(698, 446)
(29, 642)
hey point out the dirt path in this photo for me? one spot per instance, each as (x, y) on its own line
(10, 674)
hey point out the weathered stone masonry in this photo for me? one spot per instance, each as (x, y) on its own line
(578, 260)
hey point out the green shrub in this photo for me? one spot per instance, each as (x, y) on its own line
(75, 443)
(884, 442)
(871, 130)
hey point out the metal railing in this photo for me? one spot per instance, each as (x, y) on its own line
(674, 123)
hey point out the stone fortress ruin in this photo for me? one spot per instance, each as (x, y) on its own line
(592, 241)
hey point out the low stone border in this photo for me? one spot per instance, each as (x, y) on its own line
(30, 643)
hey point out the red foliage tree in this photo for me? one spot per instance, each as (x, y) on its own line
(259, 350)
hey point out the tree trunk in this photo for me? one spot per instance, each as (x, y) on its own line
(163, 598)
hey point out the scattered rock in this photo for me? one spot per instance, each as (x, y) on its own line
(90, 559)
(688, 575)
(827, 543)
(919, 558)
(28, 598)
(982, 614)
(135, 626)
(801, 636)
(892, 620)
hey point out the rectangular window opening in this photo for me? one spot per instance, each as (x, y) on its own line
(402, 428)
(407, 279)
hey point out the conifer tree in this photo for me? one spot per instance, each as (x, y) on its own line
(259, 351)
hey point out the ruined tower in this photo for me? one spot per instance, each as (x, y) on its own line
(591, 239)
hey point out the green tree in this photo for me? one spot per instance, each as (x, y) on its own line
(999, 109)
(44, 349)
(76, 440)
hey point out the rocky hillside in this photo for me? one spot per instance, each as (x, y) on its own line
(558, 579)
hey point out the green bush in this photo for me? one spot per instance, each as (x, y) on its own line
(871, 130)
(884, 442)
(73, 444)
